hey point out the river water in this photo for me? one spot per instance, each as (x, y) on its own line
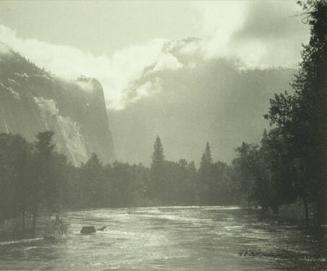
(171, 238)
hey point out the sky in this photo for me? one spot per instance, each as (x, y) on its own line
(114, 41)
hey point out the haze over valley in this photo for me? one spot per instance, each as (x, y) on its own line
(183, 85)
(163, 135)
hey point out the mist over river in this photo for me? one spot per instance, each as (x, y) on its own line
(171, 238)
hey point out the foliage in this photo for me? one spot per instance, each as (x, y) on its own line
(291, 162)
(34, 178)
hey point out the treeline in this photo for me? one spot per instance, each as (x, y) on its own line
(30, 177)
(34, 180)
(290, 163)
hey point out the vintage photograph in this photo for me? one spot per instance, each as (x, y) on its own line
(163, 135)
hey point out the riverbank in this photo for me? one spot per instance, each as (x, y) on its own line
(47, 226)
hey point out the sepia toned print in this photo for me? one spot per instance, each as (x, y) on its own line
(163, 135)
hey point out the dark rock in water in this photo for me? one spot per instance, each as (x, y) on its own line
(248, 252)
(102, 228)
(88, 230)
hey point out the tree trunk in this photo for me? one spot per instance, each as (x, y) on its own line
(306, 209)
(275, 210)
(321, 210)
(34, 220)
(23, 221)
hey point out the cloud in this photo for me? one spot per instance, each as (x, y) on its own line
(114, 72)
(4, 48)
(167, 62)
(258, 33)
(255, 33)
(219, 21)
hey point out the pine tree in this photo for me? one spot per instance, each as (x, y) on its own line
(158, 182)
(302, 118)
(158, 152)
(205, 178)
(45, 189)
(92, 182)
(311, 89)
(206, 159)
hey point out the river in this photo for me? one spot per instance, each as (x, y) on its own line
(171, 238)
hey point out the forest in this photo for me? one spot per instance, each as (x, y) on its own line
(288, 165)
(36, 180)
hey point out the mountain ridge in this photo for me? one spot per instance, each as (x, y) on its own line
(33, 100)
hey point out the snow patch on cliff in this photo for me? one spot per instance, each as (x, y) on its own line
(4, 49)
(15, 94)
(67, 132)
(6, 126)
(10, 90)
(167, 62)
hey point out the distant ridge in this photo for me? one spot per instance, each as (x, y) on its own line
(33, 100)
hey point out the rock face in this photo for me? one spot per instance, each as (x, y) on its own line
(190, 100)
(32, 100)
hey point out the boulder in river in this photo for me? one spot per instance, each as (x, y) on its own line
(88, 230)
(102, 228)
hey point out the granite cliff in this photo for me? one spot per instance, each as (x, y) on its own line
(33, 100)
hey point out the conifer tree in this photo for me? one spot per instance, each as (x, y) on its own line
(45, 189)
(301, 118)
(158, 153)
(158, 182)
(205, 177)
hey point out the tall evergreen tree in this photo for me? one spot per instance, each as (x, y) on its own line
(22, 151)
(206, 177)
(311, 88)
(45, 189)
(158, 184)
(158, 152)
(302, 118)
(92, 183)
(15, 156)
(206, 159)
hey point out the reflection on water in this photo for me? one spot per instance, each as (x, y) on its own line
(171, 238)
